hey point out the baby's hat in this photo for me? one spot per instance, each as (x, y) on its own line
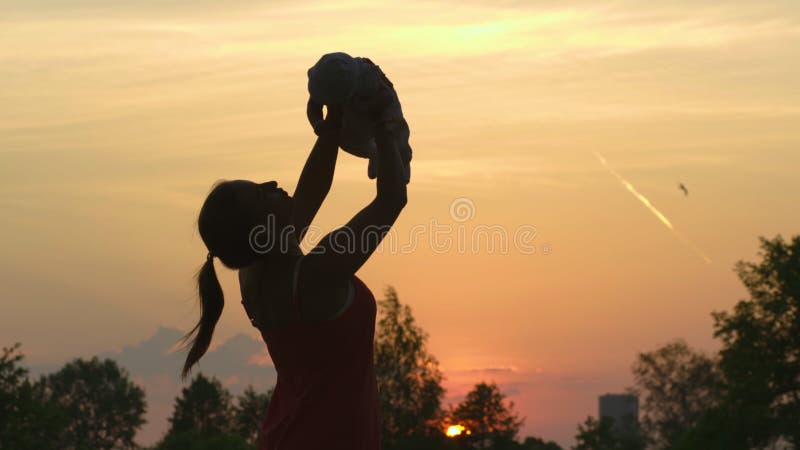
(333, 79)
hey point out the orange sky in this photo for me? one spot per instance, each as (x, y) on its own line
(117, 119)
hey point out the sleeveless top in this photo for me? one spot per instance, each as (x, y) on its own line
(326, 395)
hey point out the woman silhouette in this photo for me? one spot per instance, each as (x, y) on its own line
(316, 317)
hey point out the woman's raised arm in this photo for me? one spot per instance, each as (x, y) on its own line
(317, 175)
(343, 251)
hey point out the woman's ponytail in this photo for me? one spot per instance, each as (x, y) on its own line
(211, 303)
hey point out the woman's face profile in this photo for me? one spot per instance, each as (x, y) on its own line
(265, 198)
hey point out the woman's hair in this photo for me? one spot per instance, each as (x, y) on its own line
(225, 224)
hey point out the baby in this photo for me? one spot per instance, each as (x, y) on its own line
(364, 93)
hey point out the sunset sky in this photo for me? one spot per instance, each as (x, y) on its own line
(117, 117)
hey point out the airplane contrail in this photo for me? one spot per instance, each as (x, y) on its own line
(652, 209)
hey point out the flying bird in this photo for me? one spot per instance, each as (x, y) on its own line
(683, 188)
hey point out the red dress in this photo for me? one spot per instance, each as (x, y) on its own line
(326, 396)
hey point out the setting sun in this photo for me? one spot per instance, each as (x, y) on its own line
(454, 430)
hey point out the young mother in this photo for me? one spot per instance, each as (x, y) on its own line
(316, 317)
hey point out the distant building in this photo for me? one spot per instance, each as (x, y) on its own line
(624, 409)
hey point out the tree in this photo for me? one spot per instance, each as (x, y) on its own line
(596, 434)
(491, 422)
(26, 420)
(678, 386)
(249, 412)
(409, 380)
(760, 355)
(195, 440)
(203, 407)
(716, 430)
(535, 443)
(104, 408)
(12, 376)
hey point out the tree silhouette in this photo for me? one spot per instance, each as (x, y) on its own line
(27, 422)
(758, 368)
(204, 407)
(596, 434)
(491, 422)
(409, 380)
(195, 440)
(535, 443)
(760, 355)
(104, 408)
(677, 387)
(249, 412)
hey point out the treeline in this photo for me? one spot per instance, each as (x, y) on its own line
(206, 417)
(85, 405)
(94, 405)
(746, 395)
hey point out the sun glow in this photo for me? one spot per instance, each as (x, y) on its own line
(455, 430)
